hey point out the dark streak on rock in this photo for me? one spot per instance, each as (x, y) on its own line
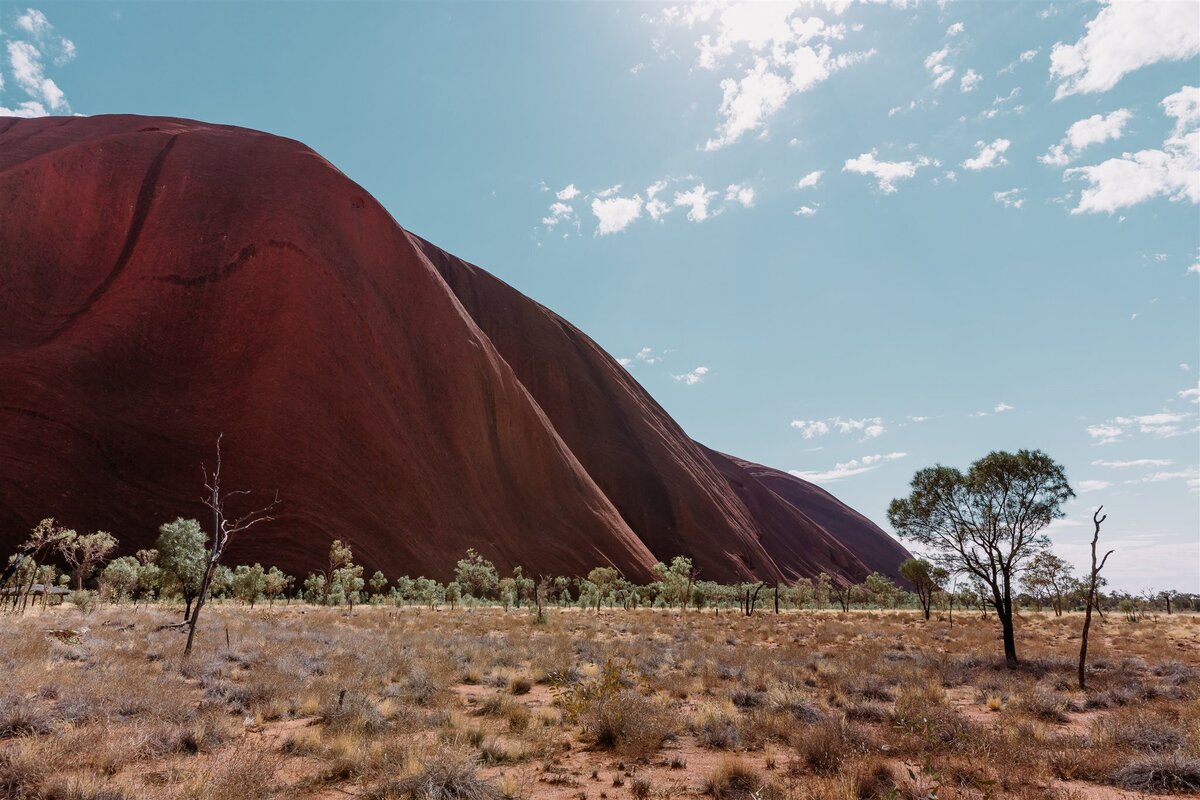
(246, 254)
(141, 211)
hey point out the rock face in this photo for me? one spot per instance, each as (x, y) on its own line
(163, 281)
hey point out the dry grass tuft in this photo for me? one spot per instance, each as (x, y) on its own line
(447, 778)
(734, 778)
(1161, 772)
(629, 723)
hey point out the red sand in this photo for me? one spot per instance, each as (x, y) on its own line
(163, 280)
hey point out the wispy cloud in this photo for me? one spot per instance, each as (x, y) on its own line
(869, 427)
(1096, 129)
(1137, 462)
(848, 469)
(886, 173)
(693, 377)
(768, 52)
(31, 46)
(645, 356)
(810, 180)
(1010, 198)
(988, 155)
(1164, 425)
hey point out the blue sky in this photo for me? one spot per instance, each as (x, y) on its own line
(845, 239)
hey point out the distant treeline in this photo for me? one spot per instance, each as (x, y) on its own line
(174, 568)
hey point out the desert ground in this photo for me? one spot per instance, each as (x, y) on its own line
(298, 701)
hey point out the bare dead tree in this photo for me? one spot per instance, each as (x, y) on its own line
(223, 529)
(1093, 579)
(751, 600)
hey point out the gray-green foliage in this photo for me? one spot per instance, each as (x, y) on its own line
(182, 557)
(249, 582)
(120, 577)
(276, 583)
(477, 576)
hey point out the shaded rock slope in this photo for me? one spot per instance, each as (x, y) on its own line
(163, 281)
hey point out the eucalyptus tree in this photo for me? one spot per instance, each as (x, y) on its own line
(183, 558)
(987, 522)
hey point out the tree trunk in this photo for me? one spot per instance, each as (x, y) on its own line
(187, 650)
(1010, 639)
(1093, 581)
(1083, 643)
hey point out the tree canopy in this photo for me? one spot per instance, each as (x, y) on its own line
(987, 522)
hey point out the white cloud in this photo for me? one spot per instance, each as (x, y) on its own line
(26, 62)
(1137, 462)
(657, 209)
(849, 468)
(1009, 199)
(869, 427)
(614, 214)
(569, 193)
(1184, 106)
(1192, 394)
(27, 54)
(644, 356)
(810, 428)
(693, 377)
(807, 211)
(27, 109)
(1024, 58)
(1123, 37)
(777, 52)
(746, 104)
(810, 180)
(696, 200)
(988, 155)
(955, 29)
(737, 192)
(1107, 434)
(1191, 475)
(999, 408)
(1004, 104)
(886, 173)
(1096, 129)
(935, 62)
(1164, 425)
(970, 80)
(1172, 172)
(559, 212)
(33, 21)
(1092, 486)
